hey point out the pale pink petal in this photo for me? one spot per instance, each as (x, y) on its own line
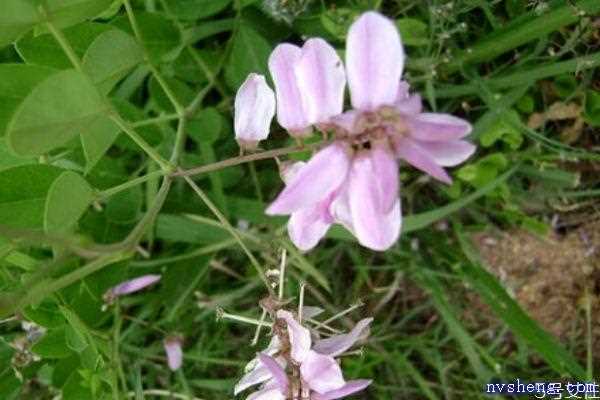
(374, 61)
(267, 394)
(373, 227)
(412, 152)
(276, 371)
(322, 373)
(433, 127)
(321, 79)
(258, 375)
(340, 208)
(336, 345)
(311, 311)
(321, 176)
(299, 336)
(449, 154)
(289, 170)
(172, 347)
(307, 227)
(385, 173)
(254, 110)
(282, 65)
(410, 106)
(348, 389)
(403, 91)
(133, 285)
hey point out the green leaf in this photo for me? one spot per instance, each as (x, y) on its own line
(592, 108)
(20, 16)
(52, 345)
(17, 17)
(110, 57)
(180, 90)
(413, 32)
(195, 9)
(42, 123)
(68, 198)
(160, 36)
(16, 82)
(484, 170)
(98, 138)
(503, 131)
(206, 126)
(23, 205)
(9, 160)
(45, 50)
(249, 53)
(124, 207)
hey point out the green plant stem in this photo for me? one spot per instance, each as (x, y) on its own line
(230, 229)
(155, 120)
(179, 108)
(129, 184)
(66, 46)
(247, 158)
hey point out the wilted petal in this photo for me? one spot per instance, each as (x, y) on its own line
(336, 345)
(321, 79)
(449, 154)
(322, 373)
(282, 65)
(258, 375)
(276, 371)
(133, 285)
(267, 394)
(433, 127)
(307, 227)
(322, 175)
(299, 336)
(385, 173)
(374, 61)
(349, 388)
(374, 228)
(412, 152)
(172, 347)
(254, 111)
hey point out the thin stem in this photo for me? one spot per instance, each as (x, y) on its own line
(339, 315)
(179, 145)
(247, 158)
(259, 327)
(301, 301)
(124, 186)
(254, 176)
(221, 314)
(65, 45)
(230, 229)
(155, 120)
(282, 274)
(179, 108)
(164, 165)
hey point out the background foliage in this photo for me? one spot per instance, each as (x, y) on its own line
(101, 101)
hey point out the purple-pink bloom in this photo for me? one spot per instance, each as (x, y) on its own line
(172, 345)
(130, 286)
(320, 373)
(254, 110)
(354, 181)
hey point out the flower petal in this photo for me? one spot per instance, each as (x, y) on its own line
(299, 336)
(276, 371)
(336, 345)
(134, 285)
(321, 79)
(349, 388)
(322, 175)
(254, 110)
(374, 228)
(307, 227)
(385, 173)
(282, 64)
(449, 154)
(374, 61)
(410, 106)
(267, 394)
(411, 151)
(172, 347)
(434, 127)
(347, 121)
(322, 373)
(258, 375)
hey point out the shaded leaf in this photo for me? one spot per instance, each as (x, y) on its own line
(249, 53)
(68, 198)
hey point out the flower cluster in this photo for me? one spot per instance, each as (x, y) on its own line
(292, 367)
(353, 181)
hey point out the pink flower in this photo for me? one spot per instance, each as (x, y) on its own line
(130, 286)
(354, 180)
(320, 374)
(172, 345)
(254, 111)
